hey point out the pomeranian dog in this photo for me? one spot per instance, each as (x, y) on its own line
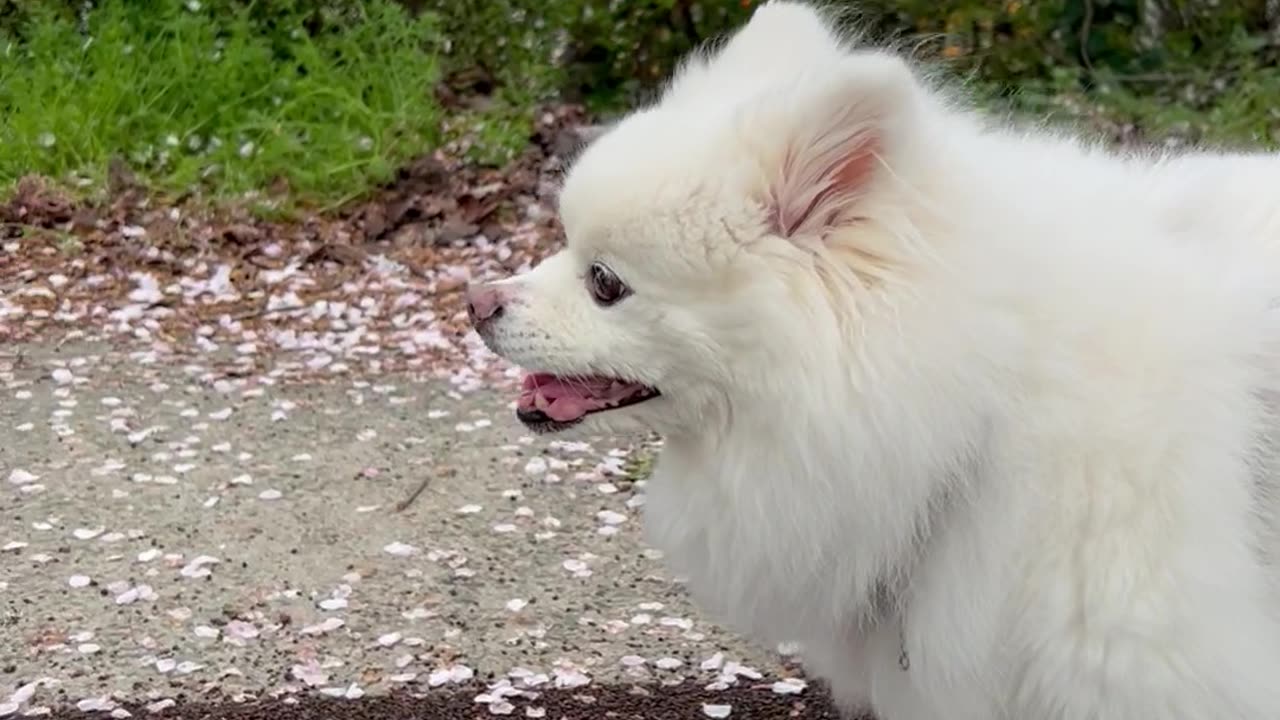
(984, 419)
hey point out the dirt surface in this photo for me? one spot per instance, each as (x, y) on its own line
(620, 702)
(257, 468)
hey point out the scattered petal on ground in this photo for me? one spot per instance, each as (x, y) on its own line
(399, 549)
(789, 686)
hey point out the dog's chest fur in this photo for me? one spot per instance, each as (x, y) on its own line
(765, 548)
(752, 548)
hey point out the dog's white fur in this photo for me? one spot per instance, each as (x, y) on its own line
(1006, 404)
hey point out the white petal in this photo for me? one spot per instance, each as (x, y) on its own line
(18, 476)
(399, 549)
(789, 686)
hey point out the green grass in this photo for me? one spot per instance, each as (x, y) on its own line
(640, 465)
(218, 100)
(640, 462)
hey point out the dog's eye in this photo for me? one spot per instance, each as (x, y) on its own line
(606, 287)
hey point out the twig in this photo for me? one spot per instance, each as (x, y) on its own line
(263, 310)
(422, 486)
(405, 503)
(1086, 27)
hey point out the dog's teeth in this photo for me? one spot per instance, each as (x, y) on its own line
(540, 402)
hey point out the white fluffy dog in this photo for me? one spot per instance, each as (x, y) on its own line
(983, 419)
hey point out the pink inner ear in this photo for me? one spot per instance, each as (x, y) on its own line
(814, 191)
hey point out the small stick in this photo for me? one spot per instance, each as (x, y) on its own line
(405, 503)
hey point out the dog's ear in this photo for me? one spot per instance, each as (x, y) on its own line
(830, 137)
(782, 38)
(783, 33)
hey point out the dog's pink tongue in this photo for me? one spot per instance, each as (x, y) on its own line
(564, 400)
(567, 408)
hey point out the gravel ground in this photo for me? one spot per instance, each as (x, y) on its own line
(167, 536)
(269, 472)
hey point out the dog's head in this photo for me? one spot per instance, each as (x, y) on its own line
(720, 241)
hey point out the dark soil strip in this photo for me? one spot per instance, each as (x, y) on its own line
(595, 702)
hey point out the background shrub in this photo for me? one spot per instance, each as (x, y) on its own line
(1215, 60)
(332, 95)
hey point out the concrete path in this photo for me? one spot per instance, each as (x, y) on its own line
(171, 537)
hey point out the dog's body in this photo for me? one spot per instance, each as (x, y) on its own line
(984, 420)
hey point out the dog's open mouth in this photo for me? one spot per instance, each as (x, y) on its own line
(552, 402)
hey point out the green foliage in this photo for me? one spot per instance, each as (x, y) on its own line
(622, 50)
(232, 98)
(1208, 69)
(604, 51)
(332, 95)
